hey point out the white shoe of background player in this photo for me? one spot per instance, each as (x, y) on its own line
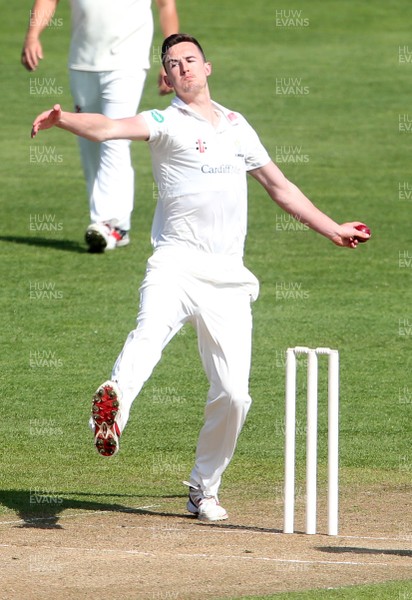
(102, 236)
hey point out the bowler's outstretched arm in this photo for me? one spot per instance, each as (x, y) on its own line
(92, 126)
(290, 198)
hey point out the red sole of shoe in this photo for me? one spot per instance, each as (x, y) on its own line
(104, 410)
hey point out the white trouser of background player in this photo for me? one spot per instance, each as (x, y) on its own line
(107, 166)
(172, 294)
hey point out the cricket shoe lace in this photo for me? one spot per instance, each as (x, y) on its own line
(207, 508)
(105, 415)
(103, 236)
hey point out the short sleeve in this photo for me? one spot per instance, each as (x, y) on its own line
(256, 154)
(156, 121)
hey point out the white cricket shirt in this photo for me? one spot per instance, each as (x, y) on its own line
(110, 35)
(200, 172)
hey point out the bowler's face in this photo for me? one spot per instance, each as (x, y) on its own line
(186, 69)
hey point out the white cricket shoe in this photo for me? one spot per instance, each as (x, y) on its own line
(102, 236)
(207, 508)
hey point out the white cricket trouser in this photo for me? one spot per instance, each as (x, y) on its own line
(107, 166)
(214, 294)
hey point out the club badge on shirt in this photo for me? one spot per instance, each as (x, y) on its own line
(201, 146)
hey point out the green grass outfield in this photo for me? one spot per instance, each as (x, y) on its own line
(328, 98)
(390, 591)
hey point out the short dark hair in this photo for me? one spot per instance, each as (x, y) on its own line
(178, 38)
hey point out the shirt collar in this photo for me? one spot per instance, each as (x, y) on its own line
(230, 116)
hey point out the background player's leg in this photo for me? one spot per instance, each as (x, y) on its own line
(85, 89)
(112, 196)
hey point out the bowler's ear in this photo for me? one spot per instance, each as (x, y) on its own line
(167, 81)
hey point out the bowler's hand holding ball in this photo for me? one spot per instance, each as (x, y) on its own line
(365, 229)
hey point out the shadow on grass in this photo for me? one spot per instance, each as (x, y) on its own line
(354, 550)
(66, 245)
(42, 509)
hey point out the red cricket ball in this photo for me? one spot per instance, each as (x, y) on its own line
(364, 229)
